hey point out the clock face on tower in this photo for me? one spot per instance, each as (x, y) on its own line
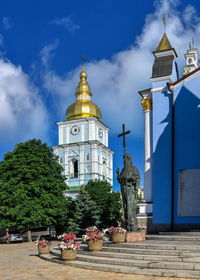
(75, 130)
(100, 132)
(189, 60)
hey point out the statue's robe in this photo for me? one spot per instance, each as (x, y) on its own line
(129, 179)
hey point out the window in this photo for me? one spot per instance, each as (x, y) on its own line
(104, 169)
(74, 165)
(189, 193)
(88, 156)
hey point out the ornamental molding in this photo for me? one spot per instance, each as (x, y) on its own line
(146, 104)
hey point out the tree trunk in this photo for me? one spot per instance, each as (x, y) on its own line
(29, 235)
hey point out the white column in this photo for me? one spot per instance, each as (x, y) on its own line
(67, 134)
(60, 136)
(147, 157)
(147, 107)
(94, 162)
(92, 130)
(66, 163)
(82, 163)
(111, 169)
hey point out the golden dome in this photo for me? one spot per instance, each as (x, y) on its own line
(83, 107)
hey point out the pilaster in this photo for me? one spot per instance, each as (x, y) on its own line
(82, 164)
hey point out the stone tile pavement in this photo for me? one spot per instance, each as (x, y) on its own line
(20, 262)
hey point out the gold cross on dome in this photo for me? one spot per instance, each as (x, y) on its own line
(83, 62)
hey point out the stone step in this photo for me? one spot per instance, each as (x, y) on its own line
(188, 233)
(183, 256)
(125, 256)
(172, 237)
(149, 251)
(143, 257)
(192, 274)
(133, 248)
(139, 263)
(165, 246)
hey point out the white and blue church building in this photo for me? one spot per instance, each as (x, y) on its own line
(172, 142)
(82, 147)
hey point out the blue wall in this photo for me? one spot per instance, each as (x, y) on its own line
(187, 137)
(161, 157)
(186, 148)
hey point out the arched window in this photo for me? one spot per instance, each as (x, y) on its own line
(74, 173)
(88, 156)
(104, 169)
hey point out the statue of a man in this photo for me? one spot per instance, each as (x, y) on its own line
(129, 180)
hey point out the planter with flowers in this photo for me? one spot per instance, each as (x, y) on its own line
(92, 229)
(118, 234)
(69, 250)
(61, 236)
(43, 246)
(69, 237)
(94, 239)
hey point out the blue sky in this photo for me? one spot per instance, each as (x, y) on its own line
(41, 43)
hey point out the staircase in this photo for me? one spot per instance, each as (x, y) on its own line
(168, 255)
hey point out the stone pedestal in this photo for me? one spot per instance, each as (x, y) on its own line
(135, 236)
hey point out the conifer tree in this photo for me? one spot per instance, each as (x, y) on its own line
(108, 202)
(87, 210)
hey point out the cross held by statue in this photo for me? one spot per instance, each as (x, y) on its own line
(123, 134)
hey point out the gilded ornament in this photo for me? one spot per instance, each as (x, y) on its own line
(83, 106)
(147, 104)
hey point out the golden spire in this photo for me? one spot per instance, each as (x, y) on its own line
(83, 107)
(83, 62)
(83, 88)
(164, 22)
(164, 43)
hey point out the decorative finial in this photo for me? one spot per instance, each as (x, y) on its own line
(83, 62)
(164, 22)
(193, 43)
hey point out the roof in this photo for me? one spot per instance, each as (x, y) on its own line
(164, 44)
(185, 77)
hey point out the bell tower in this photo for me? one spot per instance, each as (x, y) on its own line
(83, 141)
(191, 58)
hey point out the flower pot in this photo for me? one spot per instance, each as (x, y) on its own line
(43, 250)
(95, 245)
(118, 237)
(68, 254)
(70, 240)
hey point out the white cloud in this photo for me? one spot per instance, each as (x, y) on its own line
(47, 53)
(67, 23)
(7, 23)
(22, 112)
(115, 82)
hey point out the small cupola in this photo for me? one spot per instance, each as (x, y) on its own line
(191, 58)
(165, 55)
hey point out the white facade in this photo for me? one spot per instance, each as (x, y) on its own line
(83, 151)
(192, 59)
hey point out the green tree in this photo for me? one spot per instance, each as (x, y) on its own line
(31, 187)
(87, 211)
(108, 202)
(72, 217)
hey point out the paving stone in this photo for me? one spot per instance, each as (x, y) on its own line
(20, 262)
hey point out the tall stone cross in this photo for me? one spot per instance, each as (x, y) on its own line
(123, 134)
